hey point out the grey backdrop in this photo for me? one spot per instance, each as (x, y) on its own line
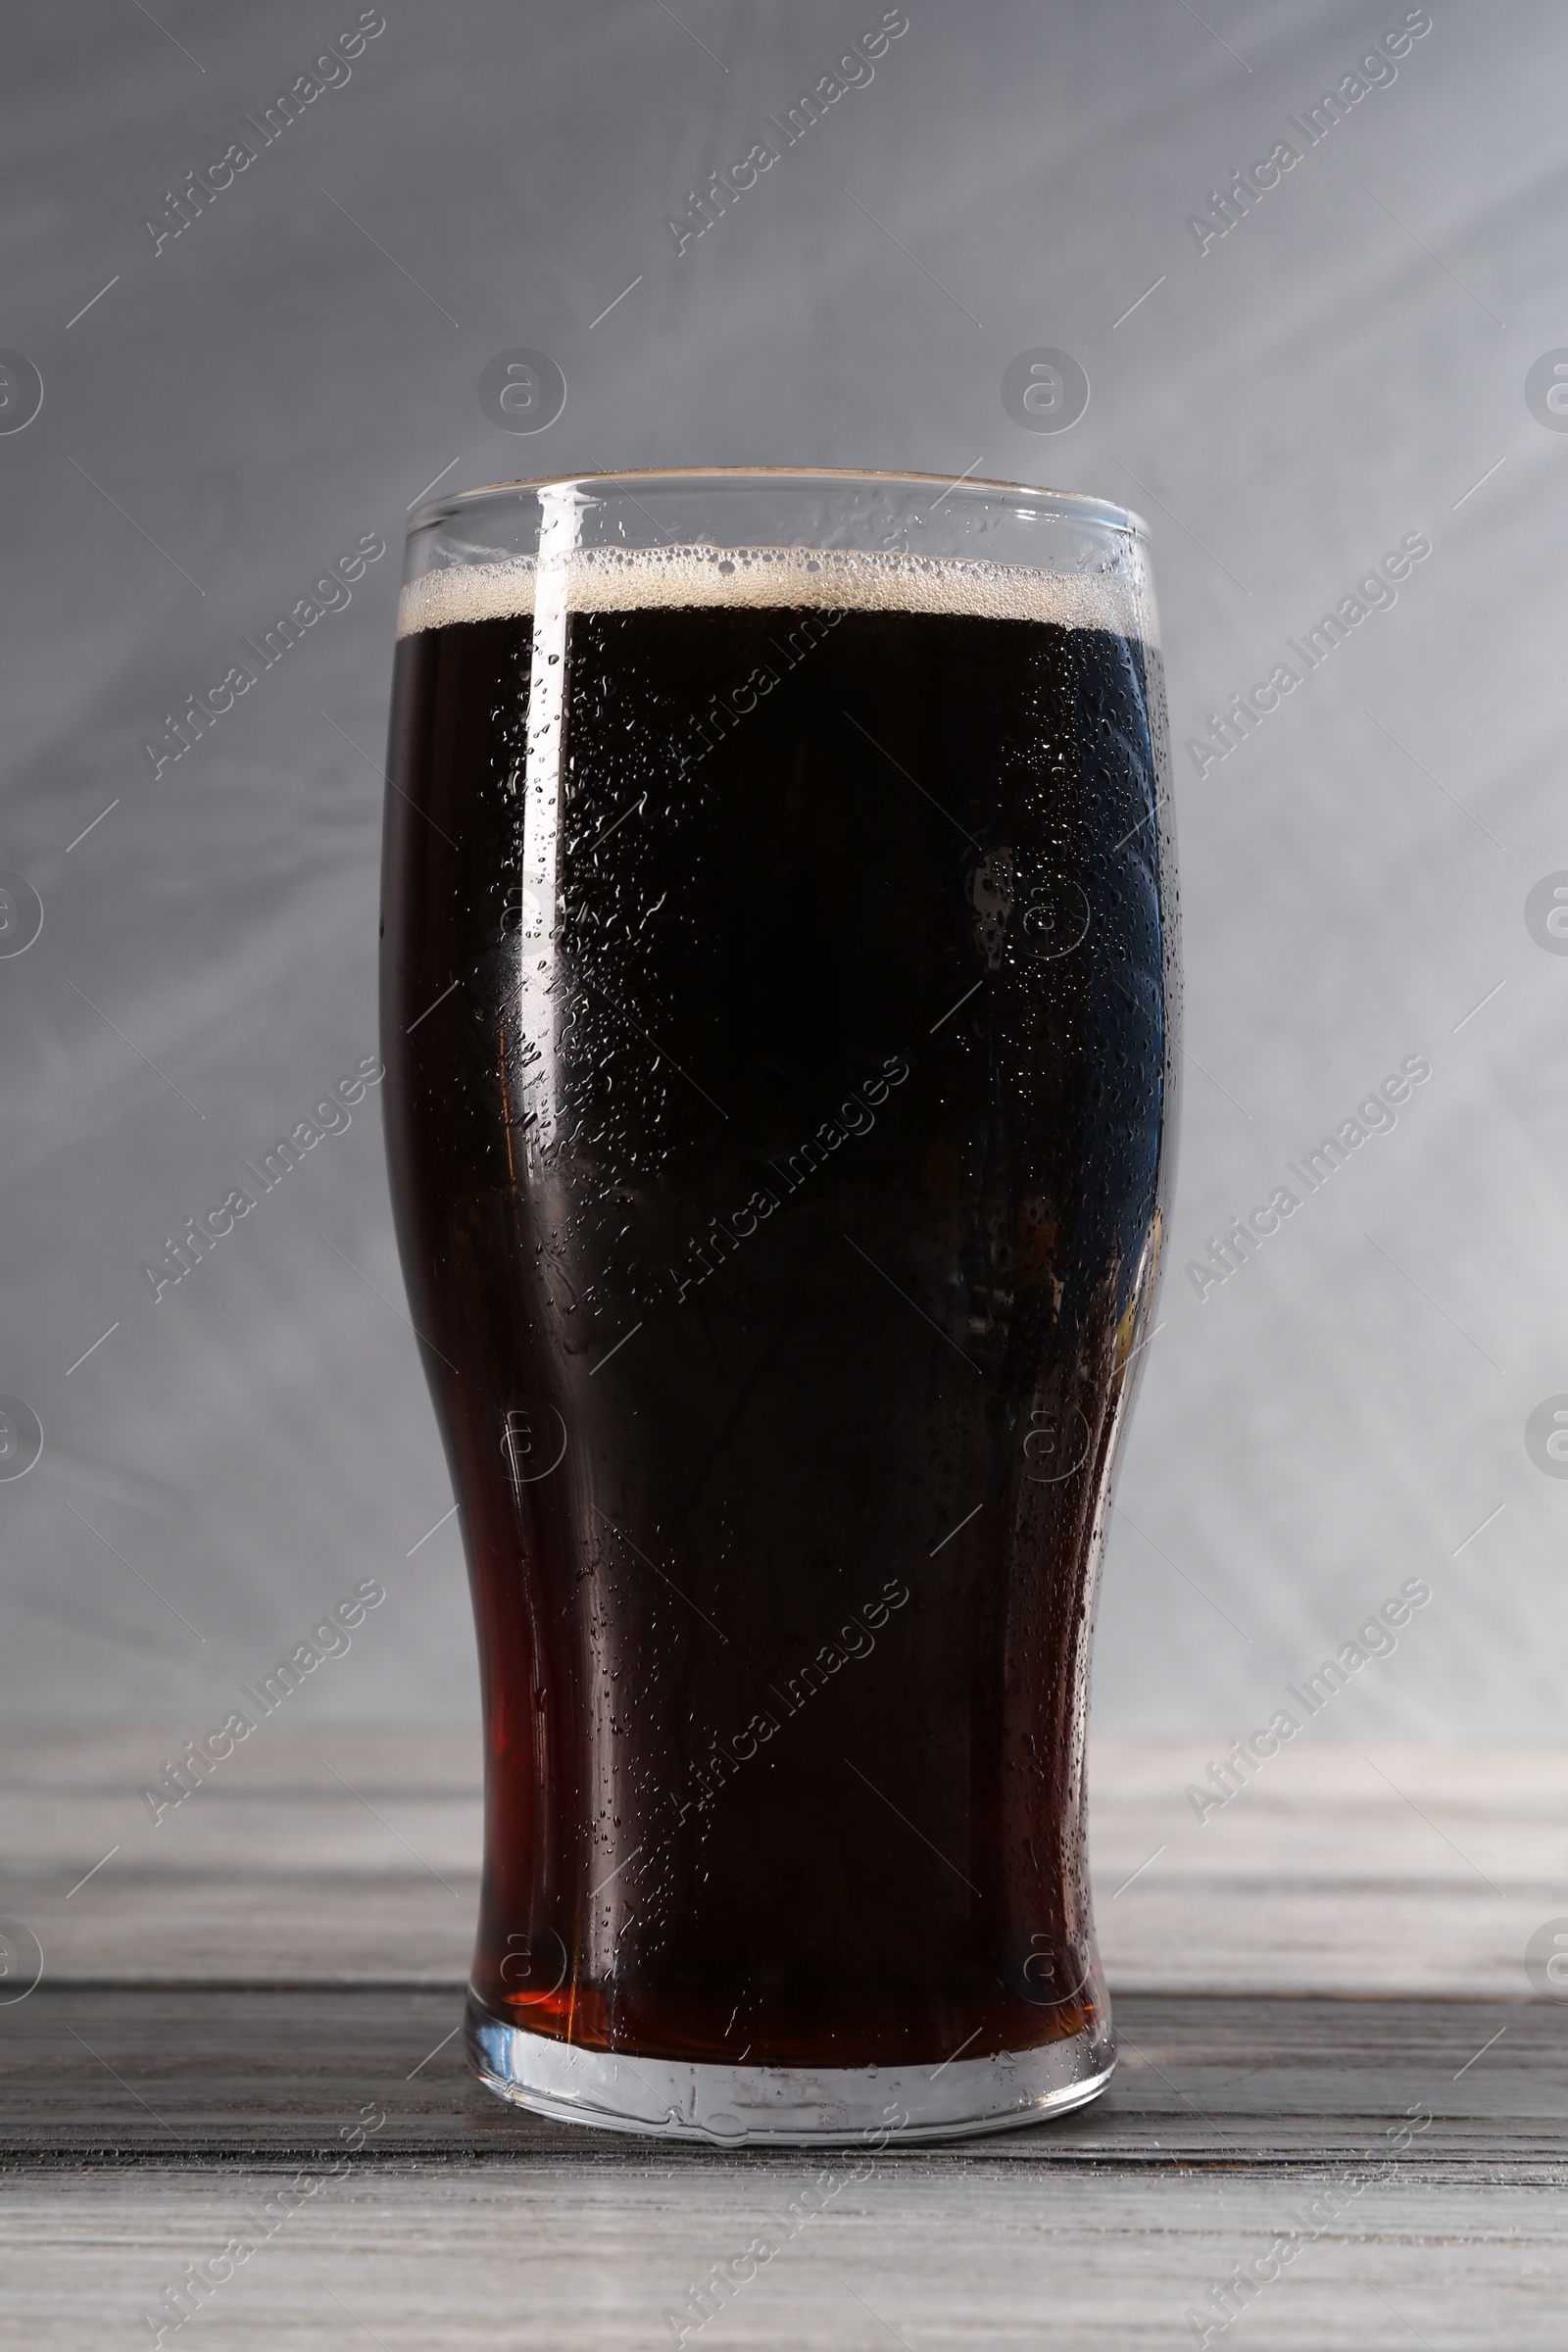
(290, 371)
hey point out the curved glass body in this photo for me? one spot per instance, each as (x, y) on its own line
(779, 982)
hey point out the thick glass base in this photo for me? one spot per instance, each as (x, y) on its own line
(787, 2106)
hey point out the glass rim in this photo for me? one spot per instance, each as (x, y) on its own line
(1065, 503)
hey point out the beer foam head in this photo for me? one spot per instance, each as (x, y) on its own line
(613, 580)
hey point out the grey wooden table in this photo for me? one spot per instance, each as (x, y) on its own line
(244, 2037)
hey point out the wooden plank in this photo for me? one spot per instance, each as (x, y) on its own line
(1387, 1867)
(227, 1995)
(119, 2075)
(1394, 1869)
(1000, 2257)
(324, 1851)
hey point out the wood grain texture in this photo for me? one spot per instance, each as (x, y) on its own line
(123, 2074)
(241, 1983)
(1003, 2257)
(1396, 1868)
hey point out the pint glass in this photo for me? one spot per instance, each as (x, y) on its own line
(778, 1008)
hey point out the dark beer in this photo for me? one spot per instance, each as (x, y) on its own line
(775, 1010)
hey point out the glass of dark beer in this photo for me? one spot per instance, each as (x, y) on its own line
(778, 1004)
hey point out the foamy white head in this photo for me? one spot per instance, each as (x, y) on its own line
(612, 579)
